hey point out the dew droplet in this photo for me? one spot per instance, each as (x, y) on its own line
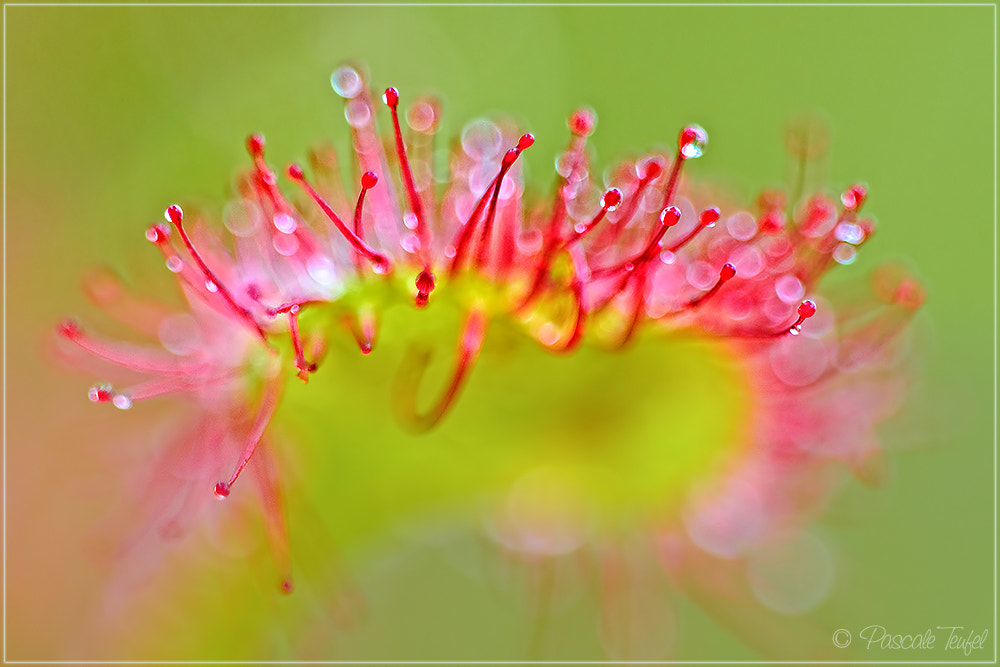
(346, 82)
(799, 361)
(242, 217)
(211, 286)
(481, 140)
(175, 264)
(849, 232)
(528, 243)
(792, 576)
(741, 226)
(122, 401)
(789, 288)
(221, 490)
(358, 113)
(179, 333)
(701, 275)
(748, 261)
(321, 269)
(692, 141)
(845, 253)
(508, 189)
(422, 116)
(285, 244)
(284, 223)
(548, 334)
(409, 242)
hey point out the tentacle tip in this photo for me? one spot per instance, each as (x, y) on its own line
(807, 309)
(582, 121)
(611, 199)
(174, 214)
(102, 393)
(255, 145)
(69, 329)
(691, 142)
(303, 371)
(854, 197)
(710, 216)
(381, 264)
(391, 97)
(910, 294)
(425, 283)
(670, 215)
(222, 490)
(286, 586)
(158, 234)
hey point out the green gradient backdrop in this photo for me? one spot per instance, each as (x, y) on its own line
(114, 112)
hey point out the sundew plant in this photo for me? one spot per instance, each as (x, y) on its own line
(569, 310)
(353, 333)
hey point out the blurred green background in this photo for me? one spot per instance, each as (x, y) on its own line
(114, 112)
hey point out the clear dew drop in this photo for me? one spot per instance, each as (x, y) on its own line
(849, 232)
(410, 242)
(741, 226)
(285, 244)
(580, 227)
(175, 264)
(845, 253)
(564, 164)
(789, 289)
(321, 269)
(211, 286)
(796, 330)
(548, 334)
(122, 402)
(482, 140)
(285, 223)
(358, 113)
(792, 576)
(179, 333)
(346, 82)
(242, 217)
(422, 116)
(508, 190)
